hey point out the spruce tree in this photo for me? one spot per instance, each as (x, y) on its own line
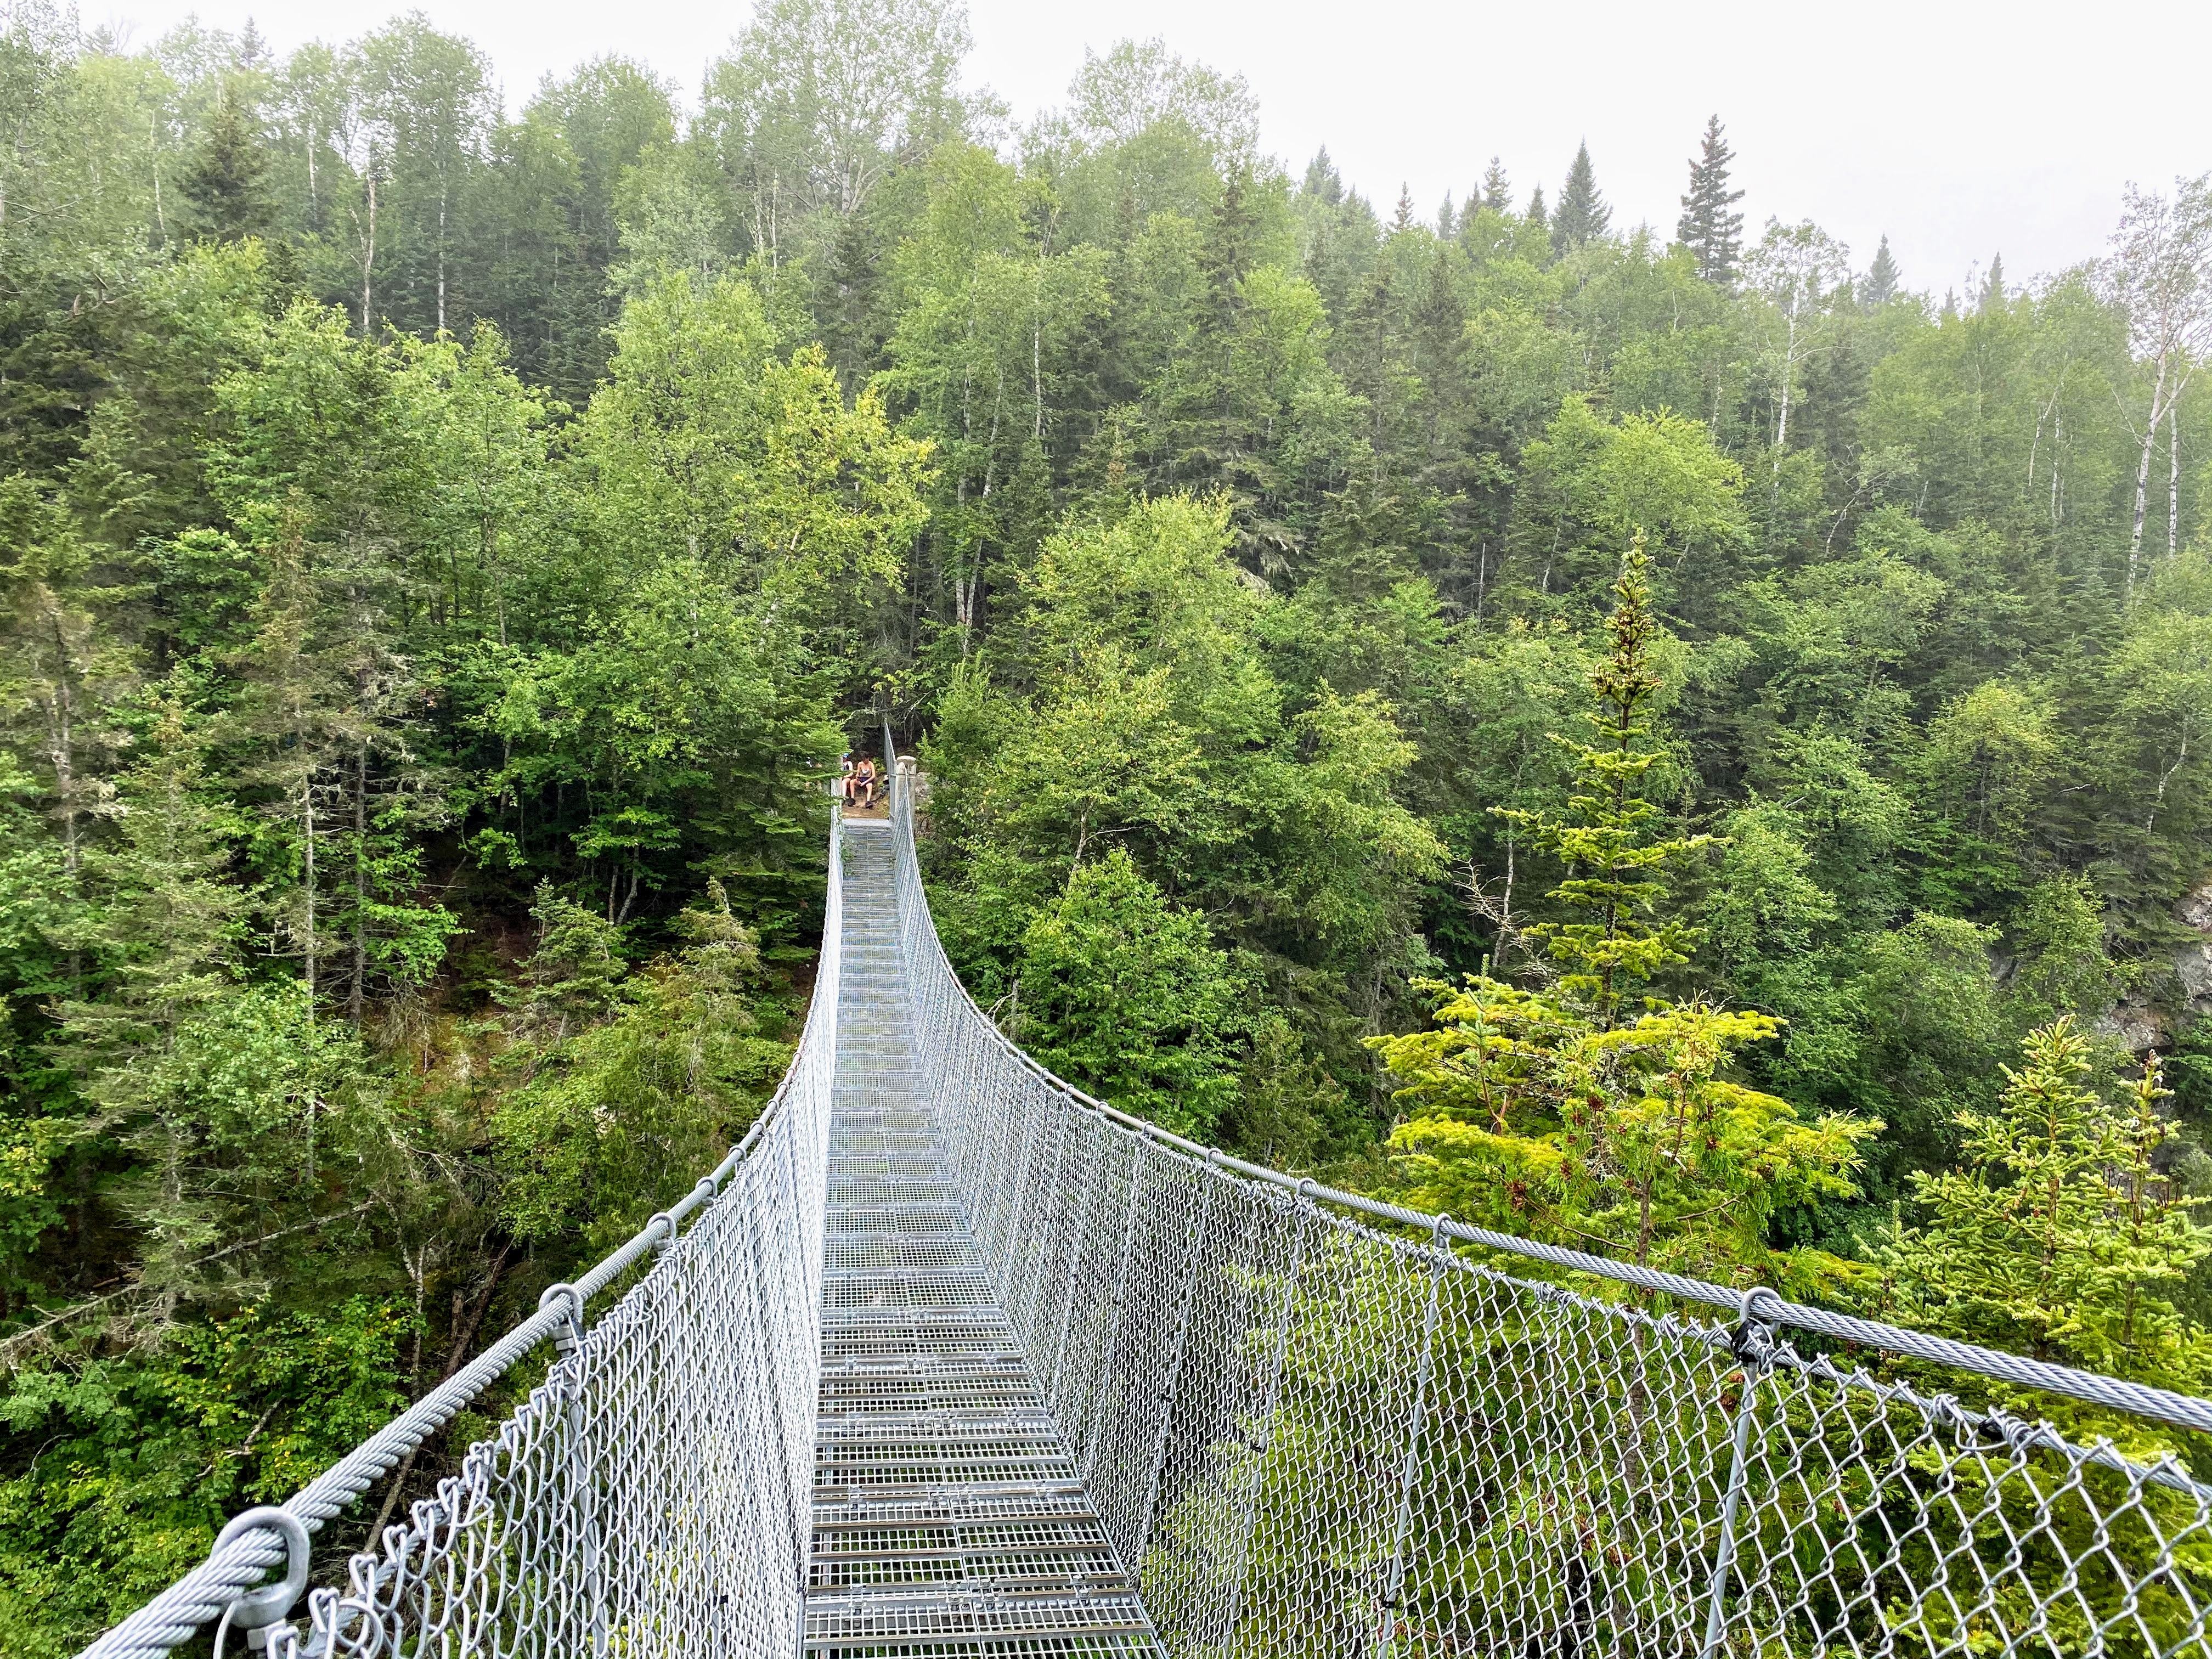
(1402, 219)
(167, 935)
(1562, 1112)
(1535, 213)
(1447, 217)
(1710, 228)
(1583, 216)
(1322, 181)
(2060, 1235)
(1231, 245)
(226, 182)
(1496, 191)
(1613, 881)
(1993, 289)
(1881, 279)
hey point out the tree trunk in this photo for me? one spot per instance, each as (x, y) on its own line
(2173, 477)
(368, 238)
(308, 941)
(154, 136)
(353, 998)
(2142, 474)
(1788, 369)
(441, 257)
(62, 737)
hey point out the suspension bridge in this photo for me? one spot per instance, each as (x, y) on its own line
(947, 1357)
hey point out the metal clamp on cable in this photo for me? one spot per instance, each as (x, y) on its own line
(1440, 1244)
(570, 1336)
(1752, 1339)
(259, 1613)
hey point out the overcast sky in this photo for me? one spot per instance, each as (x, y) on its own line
(1958, 130)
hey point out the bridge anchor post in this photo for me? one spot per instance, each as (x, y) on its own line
(1394, 1591)
(1754, 1343)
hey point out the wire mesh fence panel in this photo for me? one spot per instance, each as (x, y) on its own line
(653, 1494)
(1318, 1438)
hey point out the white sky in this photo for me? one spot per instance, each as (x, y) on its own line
(1959, 129)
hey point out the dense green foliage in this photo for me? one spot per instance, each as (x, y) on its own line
(443, 547)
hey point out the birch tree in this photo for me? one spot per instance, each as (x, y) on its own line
(1794, 266)
(821, 99)
(2160, 272)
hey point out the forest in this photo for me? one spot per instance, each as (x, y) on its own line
(1662, 738)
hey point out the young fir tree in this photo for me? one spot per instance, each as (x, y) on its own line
(166, 937)
(1546, 1111)
(1535, 213)
(291, 720)
(1881, 279)
(1710, 228)
(1583, 216)
(1614, 874)
(2059, 1235)
(1496, 189)
(1993, 287)
(228, 180)
(1322, 181)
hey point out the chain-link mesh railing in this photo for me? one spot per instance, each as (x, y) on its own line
(653, 1495)
(1319, 1438)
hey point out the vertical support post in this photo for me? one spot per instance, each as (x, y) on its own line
(1168, 1393)
(1393, 1583)
(567, 1342)
(1754, 1343)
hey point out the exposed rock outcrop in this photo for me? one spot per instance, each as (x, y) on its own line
(2143, 1026)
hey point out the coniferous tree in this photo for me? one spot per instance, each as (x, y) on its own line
(1709, 227)
(166, 935)
(1447, 217)
(1322, 179)
(2061, 1235)
(1402, 219)
(1496, 191)
(1536, 213)
(227, 183)
(1993, 289)
(1583, 216)
(1612, 882)
(1556, 1110)
(1881, 278)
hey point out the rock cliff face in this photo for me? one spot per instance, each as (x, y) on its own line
(2193, 963)
(2140, 1025)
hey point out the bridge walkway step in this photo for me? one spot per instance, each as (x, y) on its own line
(949, 1519)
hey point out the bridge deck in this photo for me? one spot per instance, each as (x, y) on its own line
(948, 1518)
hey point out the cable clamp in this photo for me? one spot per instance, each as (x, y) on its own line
(259, 1612)
(1751, 1341)
(568, 1336)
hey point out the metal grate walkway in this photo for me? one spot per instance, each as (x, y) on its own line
(949, 1515)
